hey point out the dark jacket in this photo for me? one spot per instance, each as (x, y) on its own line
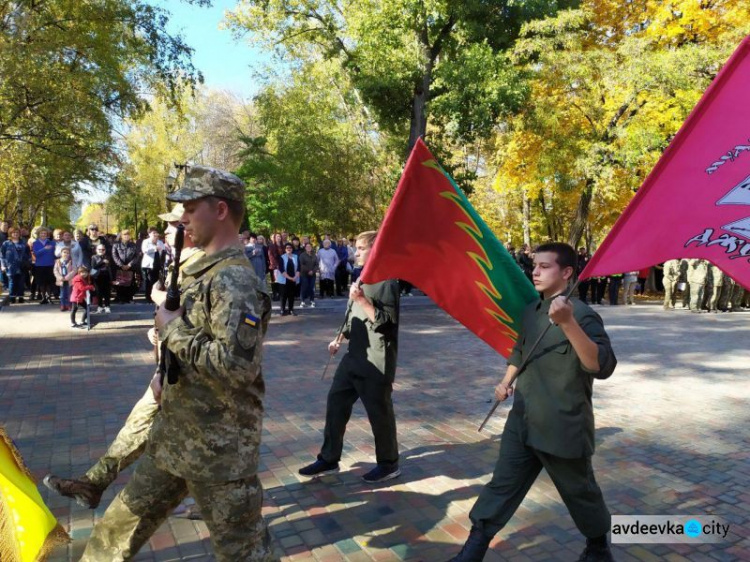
(373, 346)
(125, 254)
(553, 394)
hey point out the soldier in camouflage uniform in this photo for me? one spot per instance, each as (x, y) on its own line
(727, 290)
(738, 294)
(205, 438)
(131, 440)
(714, 283)
(684, 267)
(671, 275)
(696, 276)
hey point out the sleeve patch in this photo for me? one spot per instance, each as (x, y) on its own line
(251, 320)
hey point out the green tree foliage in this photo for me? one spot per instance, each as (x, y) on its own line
(317, 166)
(70, 70)
(203, 127)
(604, 103)
(411, 60)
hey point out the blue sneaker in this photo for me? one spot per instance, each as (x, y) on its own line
(319, 468)
(381, 473)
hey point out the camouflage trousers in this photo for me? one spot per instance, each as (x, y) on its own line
(669, 292)
(231, 511)
(696, 296)
(129, 443)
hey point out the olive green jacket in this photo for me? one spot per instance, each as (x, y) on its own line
(373, 345)
(553, 393)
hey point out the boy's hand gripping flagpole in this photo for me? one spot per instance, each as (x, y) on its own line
(358, 282)
(526, 361)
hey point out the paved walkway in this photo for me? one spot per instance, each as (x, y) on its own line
(672, 433)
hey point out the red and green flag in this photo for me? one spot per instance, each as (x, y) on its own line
(432, 237)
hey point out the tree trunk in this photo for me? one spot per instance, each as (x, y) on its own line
(580, 221)
(419, 108)
(526, 219)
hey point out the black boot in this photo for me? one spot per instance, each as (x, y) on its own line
(474, 548)
(596, 551)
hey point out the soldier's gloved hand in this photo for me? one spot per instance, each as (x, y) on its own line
(503, 391)
(156, 387)
(333, 347)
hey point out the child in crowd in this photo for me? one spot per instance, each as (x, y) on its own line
(64, 273)
(103, 278)
(80, 284)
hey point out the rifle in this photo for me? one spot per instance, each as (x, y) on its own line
(166, 366)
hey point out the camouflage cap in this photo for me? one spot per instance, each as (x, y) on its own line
(202, 181)
(174, 215)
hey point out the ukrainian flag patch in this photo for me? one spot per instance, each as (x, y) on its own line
(251, 320)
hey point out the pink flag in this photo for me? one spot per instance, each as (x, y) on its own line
(696, 201)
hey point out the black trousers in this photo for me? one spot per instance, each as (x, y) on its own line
(326, 288)
(104, 289)
(342, 280)
(583, 290)
(375, 392)
(288, 292)
(150, 277)
(517, 469)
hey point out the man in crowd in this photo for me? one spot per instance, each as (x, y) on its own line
(366, 372)
(151, 250)
(540, 432)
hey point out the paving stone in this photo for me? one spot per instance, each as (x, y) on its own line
(672, 433)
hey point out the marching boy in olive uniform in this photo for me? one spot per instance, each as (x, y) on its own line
(366, 372)
(551, 423)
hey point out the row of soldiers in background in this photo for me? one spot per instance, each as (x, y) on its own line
(706, 287)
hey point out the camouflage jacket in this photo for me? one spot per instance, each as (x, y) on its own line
(210, 422)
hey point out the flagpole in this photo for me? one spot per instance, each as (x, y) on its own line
(358, 282)
(526, 361)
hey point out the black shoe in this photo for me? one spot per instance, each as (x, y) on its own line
(474, 548)
(596, 553)
(21, 300)
(319, 468)
(292, 313)
(381, 473)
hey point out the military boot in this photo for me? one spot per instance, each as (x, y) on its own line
(82, 490)
(474, 548)
(596, 552)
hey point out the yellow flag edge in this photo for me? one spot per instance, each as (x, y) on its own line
(9, 549)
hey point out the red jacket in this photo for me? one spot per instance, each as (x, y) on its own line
(78, 294)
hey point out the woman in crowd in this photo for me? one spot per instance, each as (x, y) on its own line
(125, 255)
(64, 273)
(15, 259)
(308, 269)
(275, 250)
(44, 256)
(76, 252)
(102, 274)
(328, 260)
